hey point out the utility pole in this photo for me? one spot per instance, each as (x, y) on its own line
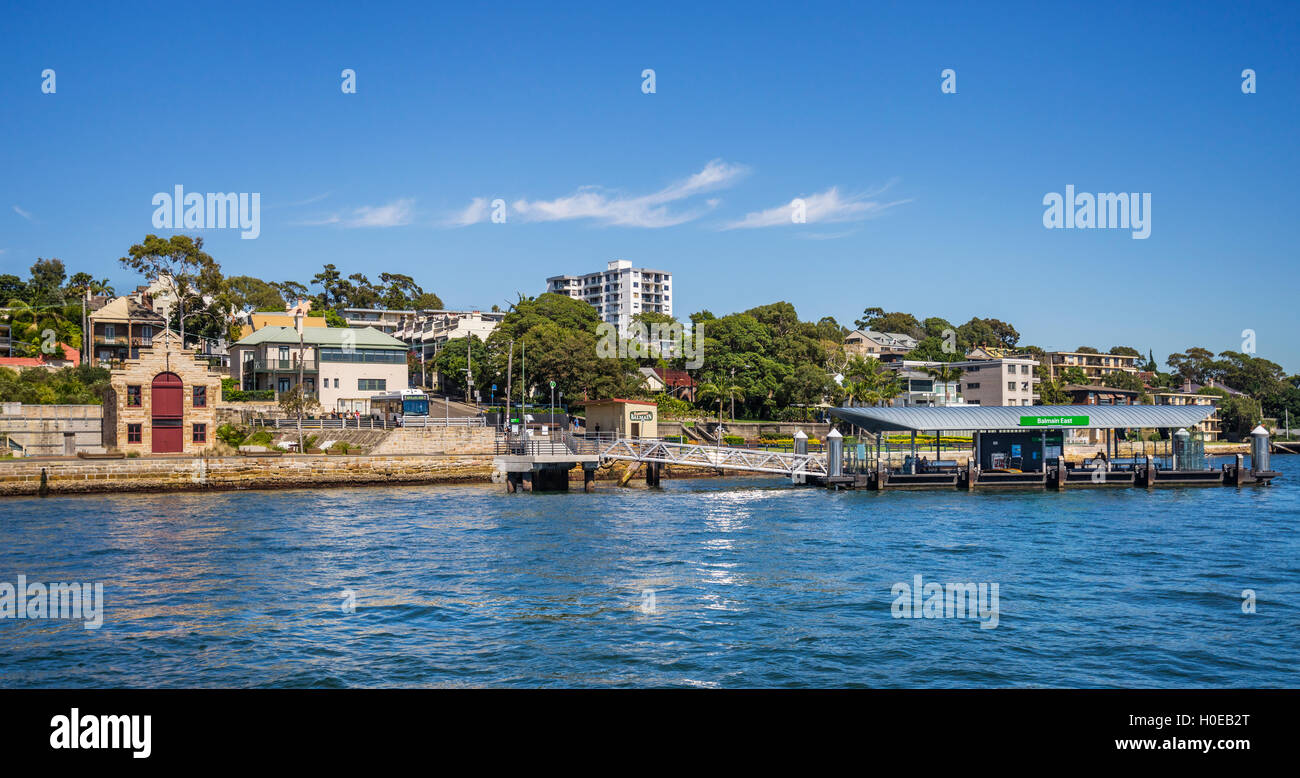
(86, 337)
(469, 367)
(510, 375)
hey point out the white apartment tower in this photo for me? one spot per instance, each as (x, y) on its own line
(619, 292)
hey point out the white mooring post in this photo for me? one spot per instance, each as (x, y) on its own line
(800, 449)
(834, 453)
(1259, 450)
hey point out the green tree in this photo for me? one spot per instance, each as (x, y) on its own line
(945, 374)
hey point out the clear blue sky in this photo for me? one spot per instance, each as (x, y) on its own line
(936, 205)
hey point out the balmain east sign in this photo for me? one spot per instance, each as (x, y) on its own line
(640, 416)
(1053, 421)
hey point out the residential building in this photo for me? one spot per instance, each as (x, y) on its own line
(427, 333)
(921, 388)
(161, 401)
(342, 367)
(258, 319)
(386, 321)
(675, 383)
(885, 346)
(1096, 394)
(1000, 381)
(1189, 394)
(122, 327)
(619, 292)
(1094, 366)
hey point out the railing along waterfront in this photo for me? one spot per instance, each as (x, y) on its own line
(720, 457)
(371, 423)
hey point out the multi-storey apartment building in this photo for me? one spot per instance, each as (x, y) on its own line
(427, 333)
(619, 292)
(1094, 366)
(1001, 381)
(342, 367)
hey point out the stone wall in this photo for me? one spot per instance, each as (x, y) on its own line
(436, 440)
(50, 430)
(22, 477)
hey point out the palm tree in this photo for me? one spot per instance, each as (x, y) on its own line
(946, 374)
(891, 385)
(709, 392)
(29, 322)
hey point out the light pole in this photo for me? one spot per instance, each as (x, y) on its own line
(302, 398)
(552, 403)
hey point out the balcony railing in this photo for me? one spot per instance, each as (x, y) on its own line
(261, 364)
(121, 340)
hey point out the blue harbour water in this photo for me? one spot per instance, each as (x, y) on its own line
(755, 584)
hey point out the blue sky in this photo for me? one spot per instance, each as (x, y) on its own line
(919, 201)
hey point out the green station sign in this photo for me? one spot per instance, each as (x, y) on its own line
(1053, 421)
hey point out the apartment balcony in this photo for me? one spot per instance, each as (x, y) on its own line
(121, 340)
(264, 365)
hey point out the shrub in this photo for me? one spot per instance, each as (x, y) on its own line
(231, 435)
(732, 440)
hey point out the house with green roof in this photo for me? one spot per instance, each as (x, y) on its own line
(342, 367)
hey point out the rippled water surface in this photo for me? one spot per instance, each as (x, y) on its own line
(754, 583)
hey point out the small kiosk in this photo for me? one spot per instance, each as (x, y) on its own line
(623, 418)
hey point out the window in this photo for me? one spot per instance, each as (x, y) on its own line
(146, 335)
(200, 433)
(133, 396)
(133, 433)
(110, 332)
(372, 384)
(972, 386)
(1011, 386)
(200, 397)
(336, 383)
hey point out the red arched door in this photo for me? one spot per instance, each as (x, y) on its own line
(168, 412)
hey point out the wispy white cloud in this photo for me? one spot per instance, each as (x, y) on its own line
(24, 214)
(828, 207)
(298, 203)
(477, 211)
(395, 214)
(615, 208)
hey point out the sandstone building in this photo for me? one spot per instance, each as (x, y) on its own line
(164, 402)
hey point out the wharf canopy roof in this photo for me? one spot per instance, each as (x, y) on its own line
(1010, 417)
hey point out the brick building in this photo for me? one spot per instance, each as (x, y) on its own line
(163, 402)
